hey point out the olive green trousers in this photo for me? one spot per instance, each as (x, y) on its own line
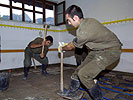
(28, 54)
(94, 63)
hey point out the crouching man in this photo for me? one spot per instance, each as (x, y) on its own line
(104, 49)
(34, 49)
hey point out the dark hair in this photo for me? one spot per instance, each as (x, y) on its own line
(50, 38)
(74, 10)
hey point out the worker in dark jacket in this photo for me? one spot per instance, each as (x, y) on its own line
(104, 47)
(34, 49)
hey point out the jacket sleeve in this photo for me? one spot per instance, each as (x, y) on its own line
(80, 40)
(37, 40)
(45, 51)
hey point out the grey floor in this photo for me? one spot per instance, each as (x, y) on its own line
(114, 85)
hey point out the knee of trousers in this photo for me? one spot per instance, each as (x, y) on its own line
(86, 79)
(27, 63)
(81, 75)
(84, 76)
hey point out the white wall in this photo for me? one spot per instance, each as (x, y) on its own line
(124, 33)
(109, 10)
(13, 38)
(103, 10)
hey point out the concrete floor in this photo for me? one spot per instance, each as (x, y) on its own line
(115, 85)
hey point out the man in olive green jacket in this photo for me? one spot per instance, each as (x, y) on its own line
(34, 49)
(104, 47)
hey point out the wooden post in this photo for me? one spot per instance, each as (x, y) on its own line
(34, 63)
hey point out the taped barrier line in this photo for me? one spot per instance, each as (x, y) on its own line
(33, 28)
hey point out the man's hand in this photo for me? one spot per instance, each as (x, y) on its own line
(42, 55)
(61, 44)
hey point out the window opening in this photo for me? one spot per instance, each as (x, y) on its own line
(4, 13)
(28, 16)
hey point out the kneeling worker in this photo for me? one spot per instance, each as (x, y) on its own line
(34, 49)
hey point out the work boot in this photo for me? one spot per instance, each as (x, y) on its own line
(96, 93)
(26, 70)
(73, 92)
(44, 72)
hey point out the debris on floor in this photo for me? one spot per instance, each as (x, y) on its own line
(115, 85)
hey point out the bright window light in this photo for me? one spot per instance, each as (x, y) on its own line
(4, 2)
(17, 15)
(4, 13)
(16, 4)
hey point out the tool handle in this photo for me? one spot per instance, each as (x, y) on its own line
(45, 32)
(34, 62)
(61, 72)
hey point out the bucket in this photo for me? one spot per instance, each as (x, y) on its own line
(4, 81)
